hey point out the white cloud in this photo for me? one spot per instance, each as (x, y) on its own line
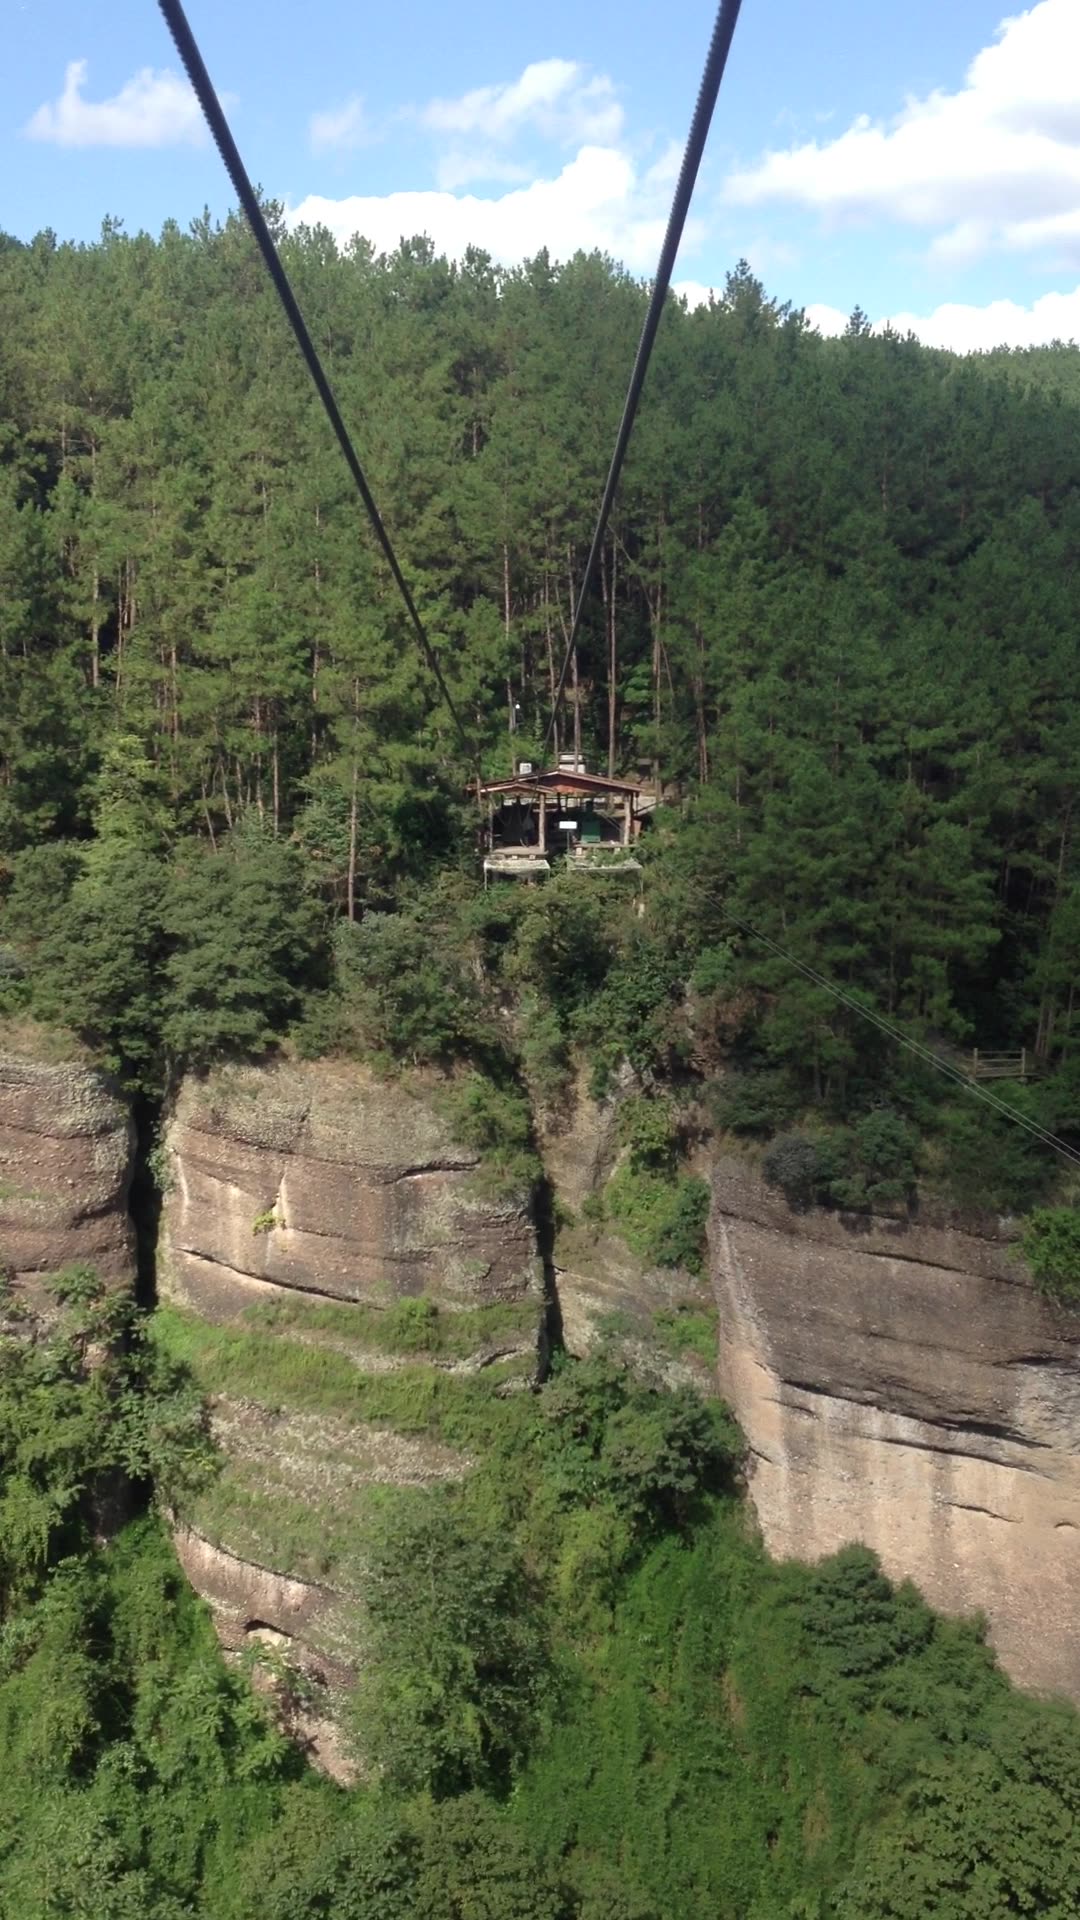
(828, 320)
(994, 165)
(594, 195)
(961, 328)
(664, 172)
(971, 329)
(344, 126)
(1054, 316)
(553, 97)
(597, 200)
(151, 110)
(695, 292)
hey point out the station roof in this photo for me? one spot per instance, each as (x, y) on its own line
(528, 786)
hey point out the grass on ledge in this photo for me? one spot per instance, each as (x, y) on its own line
(417, 1326)
(264, 1520)
(483, 1410)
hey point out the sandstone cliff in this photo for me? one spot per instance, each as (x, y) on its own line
(657, 1319)
(66, 1157)
(903, 1385)
(318, 1177)
(326, 1249)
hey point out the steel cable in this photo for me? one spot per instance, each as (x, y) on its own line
(213, 113)
(897, 1034)
(716, 61)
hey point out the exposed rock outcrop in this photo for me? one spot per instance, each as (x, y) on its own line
(905, 1386)
(66, 1157)
(318, 1177)
(270, 1615)
(327, 1196)
(606, 1293)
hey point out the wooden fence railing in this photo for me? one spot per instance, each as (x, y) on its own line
(1002, 1066)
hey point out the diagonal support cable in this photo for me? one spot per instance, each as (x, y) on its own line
(927, 1055)
(716, 60)
(187, 48)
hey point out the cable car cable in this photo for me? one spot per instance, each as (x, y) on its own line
(213, 113)
(926, 1054)
(715, 62)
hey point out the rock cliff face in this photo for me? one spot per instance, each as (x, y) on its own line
(906, 1387)
(605, 1293)
(317, 1177)
(901, 1385)
(305, 1203)
(66, 1157)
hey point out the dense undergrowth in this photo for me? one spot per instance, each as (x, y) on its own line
(589, 1695)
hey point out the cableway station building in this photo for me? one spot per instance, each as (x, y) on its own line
(589, 820)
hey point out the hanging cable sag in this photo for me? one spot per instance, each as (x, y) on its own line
(187, 48)
(716, 60)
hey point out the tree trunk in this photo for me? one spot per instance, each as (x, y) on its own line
(608, 588)
(207, 814)
(350, 888)
(220, 768)
(700, 721)
(95, 631)
(656, 664)
(552, 676)
(316, 661)
(511, 715)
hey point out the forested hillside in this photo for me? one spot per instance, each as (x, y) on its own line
(834, 619)
(834, 623)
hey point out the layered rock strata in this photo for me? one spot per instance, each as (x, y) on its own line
(905, 1386)
(66, 1158)
(317, 1177)
(325, 1197)
(607, 1295)
(257, 1611)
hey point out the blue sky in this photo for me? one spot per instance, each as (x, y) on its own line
(922, 160)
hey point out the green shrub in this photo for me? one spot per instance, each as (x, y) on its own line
(413, 1325)
(246, 940)
(497, 1122)
(637, 1014)
(647, 1128)
(989, 1164)
(452, 1693)
(565, 944)
(403, 989)
(884, 1147)
(794, 1162)
(662, 1217)
(653, 1454)
(66, 1425)
(688, 1328)
(756, 1102)
(1051, 1246)
(545, 1057)
(714, 969)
